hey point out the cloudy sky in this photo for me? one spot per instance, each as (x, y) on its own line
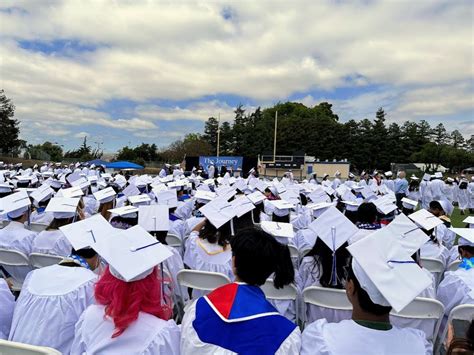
(126, 72)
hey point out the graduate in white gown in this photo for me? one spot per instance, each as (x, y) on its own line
(7, 300)
(443, 209)
(15, 236)
(52, 240)
(208, 249)
(236, 318)
(457, 286)
(52, 300)
(370, 331)
(132, 311)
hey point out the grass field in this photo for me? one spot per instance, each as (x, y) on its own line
(457, 218)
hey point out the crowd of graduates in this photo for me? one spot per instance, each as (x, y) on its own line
(105, 254)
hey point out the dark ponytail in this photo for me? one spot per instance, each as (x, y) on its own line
(284, 272)
(258, 255)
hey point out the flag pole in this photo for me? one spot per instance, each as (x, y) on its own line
(218, 132)
(275, 137)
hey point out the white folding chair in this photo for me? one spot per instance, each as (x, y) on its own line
(253, 220)
(13, 258)
(287, 293)
(201, 280)
(173, 240)
(37, 227)
(325, 297)
(295, 255)
(14, 348)
(454, 265)
(39, 260)
(463, 312)
(435, 266)
(421, 309)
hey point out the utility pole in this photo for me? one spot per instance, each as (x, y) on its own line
(275, 138)
(218, 132)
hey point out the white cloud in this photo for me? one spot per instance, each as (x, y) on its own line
(266, 52)
(81, 135)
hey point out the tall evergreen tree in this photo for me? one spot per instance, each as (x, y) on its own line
(210, 133)
(9, 127)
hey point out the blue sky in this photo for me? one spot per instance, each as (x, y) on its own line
(128, 72)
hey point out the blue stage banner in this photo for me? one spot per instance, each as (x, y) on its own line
(230, 162)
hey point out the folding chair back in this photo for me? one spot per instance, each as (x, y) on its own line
(328, 299)
(288, 292)
(39, 260)
(454, 265)
(37, 227)
(173, 240)
(201, 280)
(422, 309)
(14, 348)
(13, 258)
(463, 312)
(434, 266)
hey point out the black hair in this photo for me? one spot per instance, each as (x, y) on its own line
(467, 248)
(258, 255)
(282, 219)
(364, 300)
(215, 235)
(323, 259)
(243, 221)
(303, 199)
(44, 203)
(435, 205)
(58, 222)
(160, 236)
(367, 213)
(413, 185)
(86, 253)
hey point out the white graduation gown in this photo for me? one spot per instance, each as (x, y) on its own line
(51, 302)
(437, 189)
(148, 335)
(456, 288)
(16, 237)
(51, 242)
(7, 302)
(202, 255)
(435, 251)
(308, 275)
(348, 337)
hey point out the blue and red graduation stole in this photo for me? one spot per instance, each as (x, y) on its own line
(237, 317)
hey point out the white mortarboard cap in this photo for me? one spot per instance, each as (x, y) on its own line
(124, 211)
(42, 193)
(106, 176)
(414, 177)
(384, 204)
(466, 235)
(168, 198)
(205, 195)
(63, 207)
(137, 199)
(438, 174)
(427, 177)
(319, 195)
(105, 195)
(92, 178)
(209, 182)
(450, 179)
(71, 192)
(329, 190)
(319, 206)
(218, 212)
(256, 197)
(83, 234)
(410, 236)
(15, 204)
(469, 220)
(387, 272)
(154, 218)
(291, 196)
(425, 219)
(279, 186)
(388, 174)
(447, 206)
(242, 205)
(131, 190)
(167, 178)
(410, 202)
(82, 182)
(281, 204)
(367, 192)
(278, 229)
(262, 185)
(131, 254)
(333, 228)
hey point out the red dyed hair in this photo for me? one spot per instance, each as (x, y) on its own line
(123, 301)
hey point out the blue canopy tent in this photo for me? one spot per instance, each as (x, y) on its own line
(123, 165)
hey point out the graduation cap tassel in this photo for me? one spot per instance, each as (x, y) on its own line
(232, 227)
(162, 301)
(334, 271)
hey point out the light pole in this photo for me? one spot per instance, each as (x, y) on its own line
(218, 132)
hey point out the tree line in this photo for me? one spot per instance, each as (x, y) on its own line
(315, 131)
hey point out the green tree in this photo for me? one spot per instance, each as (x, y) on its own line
(457, 140)
(193, 144)
(84, 152)
(210, 133)
(226, 139)
(9, 130)
(46, 151)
